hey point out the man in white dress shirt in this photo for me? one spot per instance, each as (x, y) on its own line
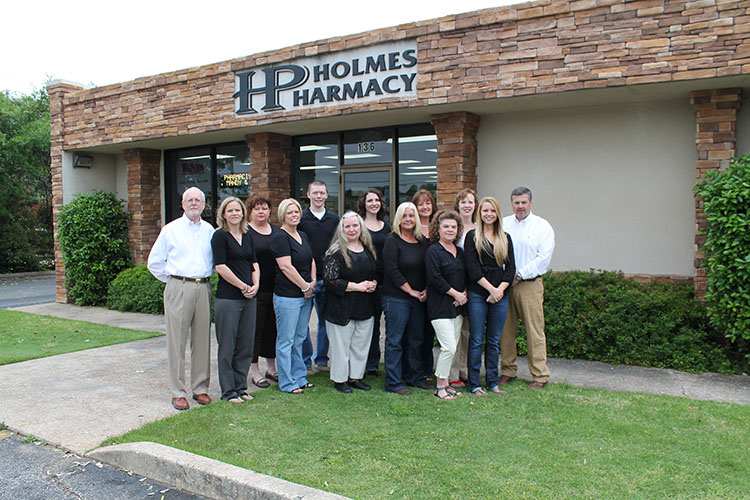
(533, 244)
(182, 258)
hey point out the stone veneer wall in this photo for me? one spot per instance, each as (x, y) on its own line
(457, 154)
(716, 142)
(144, 201)
(270, 166)
(532, 48)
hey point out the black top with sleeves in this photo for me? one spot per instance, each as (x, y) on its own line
(340, 305)
(403, 262)
(284, 245)
(488, 267)
(239, 259)
(444, 271)
(319, 232)
(266, 260)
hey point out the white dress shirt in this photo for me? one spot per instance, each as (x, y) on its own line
(533, 244)
(183, 248)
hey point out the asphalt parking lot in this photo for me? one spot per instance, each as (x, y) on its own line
(26, 289)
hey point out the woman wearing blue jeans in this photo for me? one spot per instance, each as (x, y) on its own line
(490, 267)
(292, 297)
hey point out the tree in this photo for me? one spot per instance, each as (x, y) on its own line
(25, 183)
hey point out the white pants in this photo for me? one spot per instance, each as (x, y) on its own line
(349, 346)
(448, 331)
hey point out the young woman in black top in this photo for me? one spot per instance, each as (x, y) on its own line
(446, 292)
(234, 307)
(490, 267)
(292, 297)
(404, 295)
(371, 207)
(262, 233)
(349, 274)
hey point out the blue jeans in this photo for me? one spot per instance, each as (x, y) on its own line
(373, 356)
(292, 317)
(321, 344)
(481, 314)
(403, 318)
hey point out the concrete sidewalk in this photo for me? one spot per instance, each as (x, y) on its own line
(77, 400)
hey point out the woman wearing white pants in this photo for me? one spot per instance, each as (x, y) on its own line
(446, 292)
(349, 275)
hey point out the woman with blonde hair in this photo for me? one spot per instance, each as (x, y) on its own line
(292, 296)
(404, 295)
(235, 304)
(446, 292)
(490, 266)
(349, 274)
(465, 205)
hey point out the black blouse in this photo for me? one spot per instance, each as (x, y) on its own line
(403, 262)
(239, 259)
(444, 271)
(284, 245)
(378, 240)
(266, 260)
(340, 305)
(487, 267)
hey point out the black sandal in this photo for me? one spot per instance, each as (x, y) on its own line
(307, 386)
(443, 393)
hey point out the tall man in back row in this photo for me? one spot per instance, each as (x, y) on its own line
(182, 258)
(318, 224)
(533, 244)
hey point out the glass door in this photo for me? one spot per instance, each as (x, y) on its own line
(354, 181)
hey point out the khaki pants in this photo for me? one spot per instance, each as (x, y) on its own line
(187, 310)
(526, 303)
(349, 345)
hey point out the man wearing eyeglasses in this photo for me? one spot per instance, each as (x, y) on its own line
(182, 258)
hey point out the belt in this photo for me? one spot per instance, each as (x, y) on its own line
(192, 280)
(534, 278)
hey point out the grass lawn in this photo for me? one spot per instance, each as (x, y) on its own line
(26, 336)
(561, 442)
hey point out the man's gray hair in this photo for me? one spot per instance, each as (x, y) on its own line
(520, 191)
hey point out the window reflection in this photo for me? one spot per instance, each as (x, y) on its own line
(318, 160)
(417, 161)
(368, 146)
(233, 171)
(191, 167)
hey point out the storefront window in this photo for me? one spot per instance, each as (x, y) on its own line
(318, 159)
(417, 161)
(189, 168)
(368, 146)
(233, 171)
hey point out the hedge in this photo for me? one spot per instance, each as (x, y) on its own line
(603, 316)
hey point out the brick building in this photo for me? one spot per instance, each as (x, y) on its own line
(607, 109)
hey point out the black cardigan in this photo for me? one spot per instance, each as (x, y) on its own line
(341, 306)
(488, 267)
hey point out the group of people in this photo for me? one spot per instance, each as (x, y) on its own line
(454, 274)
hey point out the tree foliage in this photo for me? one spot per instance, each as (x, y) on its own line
(25, 185)
(93, 236)
(726, 203)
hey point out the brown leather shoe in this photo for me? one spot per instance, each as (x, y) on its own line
(203, 399)
(403, 391)
(537, 385)
(180, 404)
(504, 379)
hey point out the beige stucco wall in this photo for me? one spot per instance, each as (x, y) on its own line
(102, 175)
(614, 181)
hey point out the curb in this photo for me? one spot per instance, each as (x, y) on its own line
(203, 476)
(28, 274)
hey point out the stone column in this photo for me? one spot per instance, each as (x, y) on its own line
(716, 142)
(57, 92)
(270, 166)
(457, 154)
(144, 200)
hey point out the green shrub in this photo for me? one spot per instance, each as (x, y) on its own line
(135, 289)
(93, 235)
(604, 316)
(726, 203)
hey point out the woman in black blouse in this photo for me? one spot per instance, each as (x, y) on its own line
(404, 295)
(292, 297)
(426, 208)
(446, 292)
(239, 274)
(490, 267)
(371, 207)
(349, 276)
(262, 233)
